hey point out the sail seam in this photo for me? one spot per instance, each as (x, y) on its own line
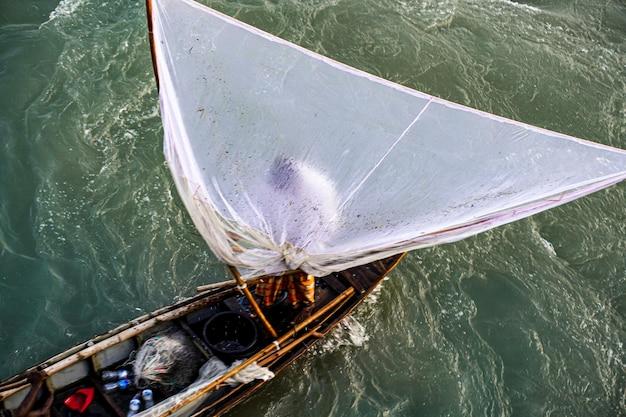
(382, 158)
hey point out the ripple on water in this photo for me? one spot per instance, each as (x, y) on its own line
(525, 320)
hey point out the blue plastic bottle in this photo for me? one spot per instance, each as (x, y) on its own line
(119, 385)
(115, 375)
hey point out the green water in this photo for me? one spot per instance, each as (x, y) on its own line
(527, 320)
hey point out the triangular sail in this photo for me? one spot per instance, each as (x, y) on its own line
(287, 159)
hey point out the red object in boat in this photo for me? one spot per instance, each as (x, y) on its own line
(80, 400)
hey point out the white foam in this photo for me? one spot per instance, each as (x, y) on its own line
(549, 247)
(375, 294)
(64, 8)
(521, 5)
(349, 333)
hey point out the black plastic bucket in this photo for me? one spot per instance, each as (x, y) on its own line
(230, 333)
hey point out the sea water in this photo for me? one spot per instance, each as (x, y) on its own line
(526, 320)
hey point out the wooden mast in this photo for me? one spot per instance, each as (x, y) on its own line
(151, 40)
(241, 284)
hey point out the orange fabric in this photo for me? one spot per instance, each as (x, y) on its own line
(300, 288)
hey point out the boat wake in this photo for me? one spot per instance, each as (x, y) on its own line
(350, 332)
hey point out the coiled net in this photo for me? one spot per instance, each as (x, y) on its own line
(167, 361)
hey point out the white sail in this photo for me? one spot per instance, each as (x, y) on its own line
(287, 159)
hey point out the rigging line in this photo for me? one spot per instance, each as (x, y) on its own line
(382, 158)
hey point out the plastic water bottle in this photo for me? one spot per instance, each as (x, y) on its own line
(115, 375)
(148, 398)
(133, 407)
(119, 385)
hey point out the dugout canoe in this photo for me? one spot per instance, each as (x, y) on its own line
(81, 366)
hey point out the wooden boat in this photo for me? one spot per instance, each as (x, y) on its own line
(288, 160)
(336, 296)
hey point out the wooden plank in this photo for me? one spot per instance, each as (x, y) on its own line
(334, 283)
(68, 375)
(202, 347)
(114, 354)
(352, 280)
(225, 284)
(14, 401)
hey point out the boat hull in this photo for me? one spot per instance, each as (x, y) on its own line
(337, 295)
